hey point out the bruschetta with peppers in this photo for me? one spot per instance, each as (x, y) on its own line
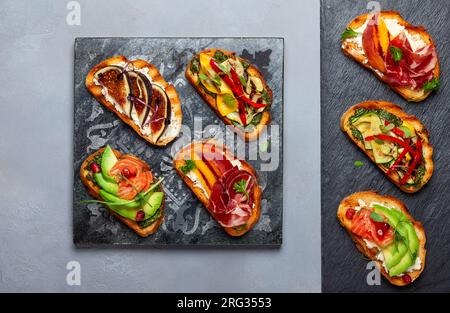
(137, 93)
(127, 187)
(385, 232)
(396, 142)
(227, 187)
(234, 88)
(399, 54)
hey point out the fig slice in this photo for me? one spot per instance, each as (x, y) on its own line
(156, 119)
(141, 90)
(112, 78)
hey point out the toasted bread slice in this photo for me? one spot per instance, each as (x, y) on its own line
(173, 123)
(356, 52)
(211, 100)
(420, 129)
(391, 202)
(185, 153)
(94, 189)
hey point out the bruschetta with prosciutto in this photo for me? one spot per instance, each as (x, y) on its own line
(234, 88)
(385, 232)
(137, 93)
(400, 54)
(127, 187)
(227, 187)
(398, 143)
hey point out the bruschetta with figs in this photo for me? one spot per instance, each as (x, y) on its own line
(400, 54)
(137, 93)
(234, 88)
(398, 143)
(127, 187)
(385, 232)
(227, 187)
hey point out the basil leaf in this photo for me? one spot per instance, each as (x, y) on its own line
(359, 163)
(349, 33)
(397, 53)
(374, 216)
(432, 84)
(190, 165)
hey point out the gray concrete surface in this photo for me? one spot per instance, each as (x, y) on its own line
(36, 124)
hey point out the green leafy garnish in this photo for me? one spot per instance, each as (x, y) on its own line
(224, 68)
(432, 84)
(359, 163)
(397, 53)
(241, 187)
(256, 119)
(203, 76)
(266, 98)
(349, 33)
(229, 99)
(374, 216)
(219, 56)
(245, 64)
(195, 65)
(357, 134)
(190, 165)
(217, 80)
(243, 81)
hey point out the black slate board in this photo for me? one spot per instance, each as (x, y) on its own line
(345, 83)
(186, 222)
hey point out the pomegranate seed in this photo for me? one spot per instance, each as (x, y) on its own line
(385, 227)
(380, 232)
(350, 213)
(129, 172)
(140, 216)
(406, 279)
(95, 167)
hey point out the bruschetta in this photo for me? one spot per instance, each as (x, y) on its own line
(385, 232)
(140, 97)
(396, 142)
(399, 54)
(127, 187)
(227, 187)
(234, 88)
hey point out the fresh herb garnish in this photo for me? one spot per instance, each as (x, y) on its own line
(387, 128)
(229, 99)
(256, 119)
(374, 216)
(357, 134)
(349, 33)
(224, 68)
(245, 64)
(219, 56)
(359, 163)
(266, 98)
(190, 165)
(195, 65)
(432, 84)
(241, 187)
(216, 79)
(383, 114)
(203, 76)
(243, 81)
(397, 53)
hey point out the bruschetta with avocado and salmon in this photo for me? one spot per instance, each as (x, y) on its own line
(385, 232)
(234, 88)
(400, 54)
(398, 143)
(226, 186)
(127, 187)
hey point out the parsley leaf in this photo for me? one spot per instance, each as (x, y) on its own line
(397, 53)
(241, 187)
(349, 33)
(190, 165)
(432, 84)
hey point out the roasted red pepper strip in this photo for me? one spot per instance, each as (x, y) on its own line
(414, 163)
(234, 85)
(393, 139)
(397, 162)
(396, 130)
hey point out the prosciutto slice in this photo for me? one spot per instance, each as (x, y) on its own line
(415, 68)
(230, 207)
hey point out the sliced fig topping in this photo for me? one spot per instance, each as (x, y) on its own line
(139, 95)
(158, 112)
(116, 84)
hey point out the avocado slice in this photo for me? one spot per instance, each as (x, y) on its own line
(108, 186)
(112, 198)
(153, 203)
(125, 210)
(406, 261)
(413, 239)
(394, 253)
(109, 159)
(391, 214)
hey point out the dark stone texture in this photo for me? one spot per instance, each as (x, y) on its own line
(186, 222)
(345, 83)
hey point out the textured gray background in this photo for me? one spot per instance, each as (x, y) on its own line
(343, 267)
(186, 222)
(36, 111)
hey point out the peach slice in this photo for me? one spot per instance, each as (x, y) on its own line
(372, 46)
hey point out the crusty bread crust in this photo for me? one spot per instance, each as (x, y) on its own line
(211, 101)
(350, 49)
(176, 114)
(93, 190)
(371, 196)
(178, 161)
(410, 119)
